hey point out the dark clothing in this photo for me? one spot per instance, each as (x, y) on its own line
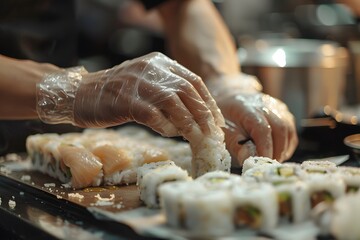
(40, 30)
(151, 3)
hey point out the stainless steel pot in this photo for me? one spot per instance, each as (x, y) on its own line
(306, 74)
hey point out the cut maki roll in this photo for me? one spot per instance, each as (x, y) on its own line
(218, 180)
(151, 178)
(293, 200)
(255, 174)
(171, 194)
(257, 161)
(208, 214)
(318, 167)
(287, 172)
(255, 206)
(324, 188)
(351, 177)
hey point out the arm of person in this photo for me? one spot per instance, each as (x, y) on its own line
(18, 79)
(152, 90)
(198, 38)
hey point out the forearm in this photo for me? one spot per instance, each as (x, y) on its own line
(199, 39)
(18, 79)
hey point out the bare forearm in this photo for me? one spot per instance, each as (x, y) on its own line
(199, 39)
(18, 79)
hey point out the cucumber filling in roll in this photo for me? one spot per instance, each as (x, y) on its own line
(313, 170)
(285, 171)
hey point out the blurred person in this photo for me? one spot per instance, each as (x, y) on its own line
(152, 90)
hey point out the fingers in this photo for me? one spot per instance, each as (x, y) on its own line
(246, 150)
(292, 140)
(180, 104)
(239, 145)
(202, 90)
(144, 113)
(197, 107)
(283, 131)
(259, 130)
(279, 136)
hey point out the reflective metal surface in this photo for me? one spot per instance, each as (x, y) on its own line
(306, 74)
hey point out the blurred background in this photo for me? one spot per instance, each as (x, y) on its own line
(306, 53)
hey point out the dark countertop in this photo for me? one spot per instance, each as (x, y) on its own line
(40, 215)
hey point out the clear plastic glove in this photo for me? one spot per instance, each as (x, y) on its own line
(152, 90)
(256, 123)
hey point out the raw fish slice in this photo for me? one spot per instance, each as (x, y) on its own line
(154, 155)
(113, 158)
(84, 166)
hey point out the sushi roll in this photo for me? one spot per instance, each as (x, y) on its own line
(120, 155)
(287, 172)
(255, 174)
(117, 164)
(340, 219)
(257, 161)
(293, 201)
(255, 206)
(318, 167)
(351, 177)
(146, 168)
(209, 155)
(171, 194)
(218, 180)
(51, 161)
(84, 168)
(324, 188)
(208, 215)
(152, 175)
(34, 146)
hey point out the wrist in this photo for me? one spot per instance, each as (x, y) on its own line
(55, 95)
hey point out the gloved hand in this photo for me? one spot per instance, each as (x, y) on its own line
(257, 124)
(152, 90)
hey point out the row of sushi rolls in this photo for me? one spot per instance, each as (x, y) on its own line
(266, 195)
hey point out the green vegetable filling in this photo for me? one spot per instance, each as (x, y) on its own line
(285, 171)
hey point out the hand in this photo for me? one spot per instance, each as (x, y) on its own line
(251, 115)
(152, 90)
